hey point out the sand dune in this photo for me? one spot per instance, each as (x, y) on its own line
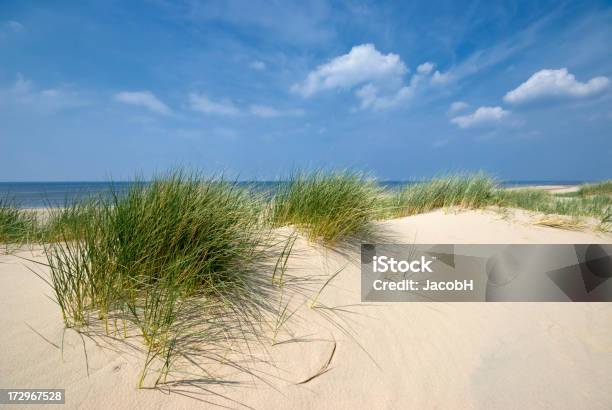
(418, 355)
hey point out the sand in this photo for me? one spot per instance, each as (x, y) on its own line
(418, 355)
(553, 189)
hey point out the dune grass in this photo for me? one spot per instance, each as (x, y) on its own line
(602, 188)
(465, 191)
(17, 226)
(329, 207)
(153, 254)
(336, 207)
(596, 206)
(184, 260)
(587, 190)
(478, 191)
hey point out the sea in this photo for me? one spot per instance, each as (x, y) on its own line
(57, 194)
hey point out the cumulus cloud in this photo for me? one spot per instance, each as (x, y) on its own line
(370, 97)
(555, 83)
(361, 65)
(481, 117)
(201, 103)
(144, 99)
(425, 68)
(265, 111)
(439, 78)
(377, 79)
(258, 65)
(457, 106)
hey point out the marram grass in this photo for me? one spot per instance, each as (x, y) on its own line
(479, 191)
(601, 188)
(466, 191)
(596, 206)
(183, 260)
(330, 207)
(150, 256)
(17, 226)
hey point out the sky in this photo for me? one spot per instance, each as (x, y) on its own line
(98, 90)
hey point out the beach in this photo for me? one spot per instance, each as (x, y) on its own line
(366, 355)
(255, 204)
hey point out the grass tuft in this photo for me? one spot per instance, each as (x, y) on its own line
(601, 188)
(466, 191)
(17, 225)
(540, 201)
(333, 207)
(163, 252)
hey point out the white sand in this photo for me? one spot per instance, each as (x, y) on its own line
(419, 355)
(553, 189)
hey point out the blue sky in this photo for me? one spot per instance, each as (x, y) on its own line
(96, 90)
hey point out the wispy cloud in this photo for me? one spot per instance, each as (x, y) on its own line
(57, 98)
(265, 111)
(457, 106)
(304, 22)
(201, 103)
(257, 65)
(483, 116)
(15, 26)
(555, 83)
(144, 99)
(486, 58)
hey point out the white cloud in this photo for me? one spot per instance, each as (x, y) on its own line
(258, 65)
(199, 102)
(265, 111)
(439, 78)
(361, 65)
(22, 86)
(457, 106)
(377, 78)
(482, 116)
(425, 68)
(15, 26)
(555, 83)
(374, 97)
(143, 99)
(47, 100)
(371, 98)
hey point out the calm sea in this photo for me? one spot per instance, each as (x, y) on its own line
(53, 194)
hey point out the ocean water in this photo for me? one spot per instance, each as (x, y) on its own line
(54, 194)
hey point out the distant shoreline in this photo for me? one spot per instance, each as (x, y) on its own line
(56, 194)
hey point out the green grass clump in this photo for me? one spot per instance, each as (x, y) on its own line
(469, 191)
(16, 225)
(331, 207)
(532, 199)
(65, 223)
(605, 224)
(149, 256)
(601, 188)
(596, 206)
